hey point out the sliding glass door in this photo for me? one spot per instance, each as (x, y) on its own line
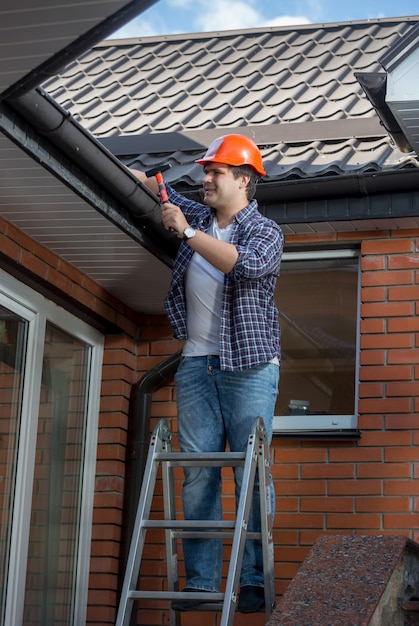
(50, 378)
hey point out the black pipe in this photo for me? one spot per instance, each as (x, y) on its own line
(138, 442)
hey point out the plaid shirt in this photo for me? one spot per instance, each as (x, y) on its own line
(250, 333)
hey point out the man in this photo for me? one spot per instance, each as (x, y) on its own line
(221, 303)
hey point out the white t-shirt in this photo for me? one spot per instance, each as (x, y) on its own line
(204, 291)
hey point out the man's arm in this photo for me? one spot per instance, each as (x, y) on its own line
(220, 254)
(150, 183)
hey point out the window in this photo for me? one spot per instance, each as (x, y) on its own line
(50, 379)
(317, 297)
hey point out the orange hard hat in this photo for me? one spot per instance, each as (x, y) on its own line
(234, 150)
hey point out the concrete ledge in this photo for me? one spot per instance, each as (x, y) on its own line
(353, 581)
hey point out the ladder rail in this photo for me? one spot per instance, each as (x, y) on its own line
(254, 461)
(237, 548)
(160, 434)
(266, 517)
(172, 572)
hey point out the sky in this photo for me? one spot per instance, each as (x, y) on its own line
(168, 17)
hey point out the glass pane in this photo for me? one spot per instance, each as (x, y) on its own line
(13, 337)
(317, 300)
(54, 527)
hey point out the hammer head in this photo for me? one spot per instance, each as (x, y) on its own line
(157, 170)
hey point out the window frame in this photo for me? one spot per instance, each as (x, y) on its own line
(324, 425)
(37, 311)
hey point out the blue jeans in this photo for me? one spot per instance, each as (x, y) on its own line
(214, 407)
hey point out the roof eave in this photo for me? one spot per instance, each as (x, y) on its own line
(50, 135)
(76, 48)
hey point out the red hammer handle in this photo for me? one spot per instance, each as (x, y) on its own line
(162, 187)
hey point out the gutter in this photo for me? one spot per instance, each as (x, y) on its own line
(36, 115)
(359, 184)
(130, 201)
(337, 197)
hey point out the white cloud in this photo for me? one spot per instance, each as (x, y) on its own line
(237, 14)
(287, 20)
(226, 16)
(174, 16)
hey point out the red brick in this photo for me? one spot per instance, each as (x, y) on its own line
(395, 521)
(372, 357)
(284, 471)
(400, 277)
(301, 520)
(303, 455)
(386, 341)
(373, 294)
(373, 263)
(401, 455)
(383, 470)
(387, 309)
(292, 555)
(327, 504)
(388, 246)
(371, 390)
(386, 373)
(354, 521)
(9, 248)
(400, 388)
(402, 357)
(386, 439)
(284, 537)
(287, 504)
(386, 405)
(403, 262)
(338, 471)
(381, 504)
(373, 325)
(401, 488)
(355, 487)
(355, 455)
(404, 293)
(398, 421)
(293, 487)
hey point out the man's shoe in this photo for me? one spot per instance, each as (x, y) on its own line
(187, 605)
(251, 599)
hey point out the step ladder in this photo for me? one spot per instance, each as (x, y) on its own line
(254, 459)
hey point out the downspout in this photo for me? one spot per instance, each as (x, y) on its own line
(138, 441)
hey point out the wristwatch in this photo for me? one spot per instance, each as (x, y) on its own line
(188, 233)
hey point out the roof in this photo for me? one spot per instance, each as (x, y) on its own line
(293, 90)
(64, 145)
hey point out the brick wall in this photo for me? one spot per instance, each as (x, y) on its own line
(369, 486)
(364, 487)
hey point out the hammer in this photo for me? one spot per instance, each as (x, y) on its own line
(157, 172)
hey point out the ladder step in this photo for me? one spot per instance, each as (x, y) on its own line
(206, 596)
(196, 534)
(203, 459)
(186, 524)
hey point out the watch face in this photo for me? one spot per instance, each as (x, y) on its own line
(188, 232)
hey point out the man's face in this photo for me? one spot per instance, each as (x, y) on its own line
(220, 186)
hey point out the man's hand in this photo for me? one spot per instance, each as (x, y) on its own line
(173, 218)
